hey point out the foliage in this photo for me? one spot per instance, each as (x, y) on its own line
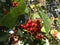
(10, 19)
(33, 31)
(45, 21)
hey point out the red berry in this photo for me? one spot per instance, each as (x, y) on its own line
(37, 37)
(33, 24)
(36, 25)
(31, 29)
(28, 29)
(22, 26)
(28, 25)
(41, 36)
(29, 21)
(15, 4)
(35, 30)
(39, 26)
(36, 21)
(25, 27)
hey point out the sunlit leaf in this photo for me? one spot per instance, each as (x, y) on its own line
(43, 29)
(45, 20)
(36, 15)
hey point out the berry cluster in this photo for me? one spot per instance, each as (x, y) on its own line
(14, 4)
(32, 26)
(39, 36)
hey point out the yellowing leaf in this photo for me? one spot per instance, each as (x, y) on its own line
(32, 6)
(39, 4)
(43, 29)
(36, 15)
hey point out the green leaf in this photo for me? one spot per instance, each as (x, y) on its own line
(26, 10)
(10, 20)
(45, 20)
(4, 37)
(15, 0)
(27, 44)
(20, 33)
(43, 29)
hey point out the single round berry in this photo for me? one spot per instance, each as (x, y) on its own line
(41, 35)
(36, 21)
(31, 29)
(22, 26)
(15, 4)
(39, 26)
(36, 24)
(35, 30)
(33, 24)
(29, 21)
(25, 27)
(28, 25)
